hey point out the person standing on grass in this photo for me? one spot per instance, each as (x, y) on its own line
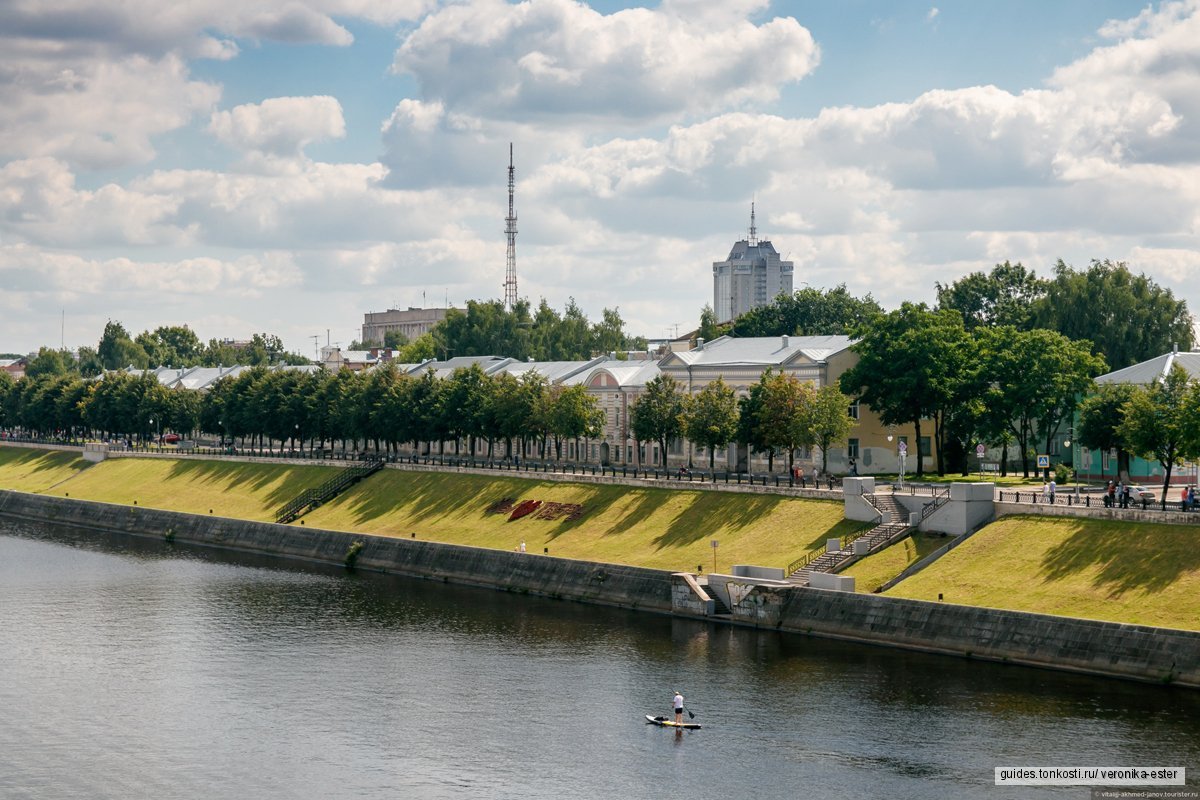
(677, 702)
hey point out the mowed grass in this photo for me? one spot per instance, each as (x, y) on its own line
(228, 488)
(877, 569)
(658, 528)
(27, 469)
(1096, 569)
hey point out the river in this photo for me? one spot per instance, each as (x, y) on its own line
(130, 668)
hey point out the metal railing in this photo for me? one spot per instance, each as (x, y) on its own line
(311, 498)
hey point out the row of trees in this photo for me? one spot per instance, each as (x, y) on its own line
(1126, 318)
(488, 328)
(779, 414)
(167, 346)
(388, 408)
(999, 385)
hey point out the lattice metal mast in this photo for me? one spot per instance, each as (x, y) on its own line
(510, 230)
(753, 230)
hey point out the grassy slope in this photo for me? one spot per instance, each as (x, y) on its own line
(229, 488)
(876, 570)
(659, 528)
(1096, 569)
(30, 470)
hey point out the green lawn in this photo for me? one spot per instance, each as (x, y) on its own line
(649, 527)
(1096, 569)
(877, 569)
(228, 488)
(27, 469)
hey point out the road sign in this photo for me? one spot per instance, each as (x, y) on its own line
(1043, 462)
(903, 448)
(980, 450)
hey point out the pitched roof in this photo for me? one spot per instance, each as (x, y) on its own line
(1146, 372)
(761, 351)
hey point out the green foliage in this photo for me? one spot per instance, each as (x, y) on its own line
(1128, 318)
(709, 328)
(118, 351)
(51, 362)
(352, 553)
(711, 419)
(1005, 296)
(784, 417)
(809, 312)
(1160, 422)
(831, 421)
(658, 415)
(1102, 419)
(911, 367)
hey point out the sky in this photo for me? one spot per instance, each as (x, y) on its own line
(285, 166)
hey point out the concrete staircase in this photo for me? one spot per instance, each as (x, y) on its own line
(877, 538)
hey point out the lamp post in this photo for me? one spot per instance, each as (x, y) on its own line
(903, 448)
(1067, 446)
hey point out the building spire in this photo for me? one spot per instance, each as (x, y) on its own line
(510, 231)
(753, 230)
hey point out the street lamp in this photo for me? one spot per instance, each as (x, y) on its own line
(1067, 446)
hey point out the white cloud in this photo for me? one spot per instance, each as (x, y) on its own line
(560, 60)
(279, 126)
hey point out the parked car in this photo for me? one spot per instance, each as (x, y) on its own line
(170, 438)
(1142, 494)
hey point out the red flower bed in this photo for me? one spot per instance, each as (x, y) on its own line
(523, 508)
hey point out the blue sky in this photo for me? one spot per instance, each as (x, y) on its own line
(287, 167)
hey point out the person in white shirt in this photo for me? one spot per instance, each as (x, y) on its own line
(678, 704)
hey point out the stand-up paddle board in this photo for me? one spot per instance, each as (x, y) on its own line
(666, 723)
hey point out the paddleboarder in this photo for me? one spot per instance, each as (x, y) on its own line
(678, 703)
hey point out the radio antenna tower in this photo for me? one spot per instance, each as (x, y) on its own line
(753, 230)
(510, 230)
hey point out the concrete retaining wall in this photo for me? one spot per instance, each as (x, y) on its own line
(1136, 652)
(1101, 648)
(1060, 509)
(548, 576)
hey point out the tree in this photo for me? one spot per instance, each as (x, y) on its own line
(831, 420)
(709, 327)
(1160, 422)
(1034, 379)
(658, 415)
(1102, 422)
(171, 346)
(809, 312)
(785, 415)
(909, 361)
(118, 351)
(574, 414)
(1005, 296)
(50, 362)
(711, 420)
(1128, 318)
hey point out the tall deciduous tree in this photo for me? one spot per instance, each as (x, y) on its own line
(1128, 318)
(909, 363)
(1005, 296)
(1160, 422)
(785, 414)
(658, 415)
(711, 421)
(809, 312)
(831, 420)
(1102, 422)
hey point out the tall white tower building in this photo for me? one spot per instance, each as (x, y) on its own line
(751, 277)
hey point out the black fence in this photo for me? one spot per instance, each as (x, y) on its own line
(1136, 502)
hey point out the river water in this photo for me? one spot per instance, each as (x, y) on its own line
(130, 668)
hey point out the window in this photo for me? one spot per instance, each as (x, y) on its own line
(852, 446)
(853, 412)
(926, 446)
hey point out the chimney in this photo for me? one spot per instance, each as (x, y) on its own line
(785, 341)
(1175, 347)
(699, 342)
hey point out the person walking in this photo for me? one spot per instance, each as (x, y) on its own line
(677, 704)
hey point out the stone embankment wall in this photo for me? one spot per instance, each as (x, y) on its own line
(1134, 514)
(607, 584)
(1101, 648)
(1136, 652)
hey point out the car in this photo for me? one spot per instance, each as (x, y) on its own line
(1142, 494)
(170, 438)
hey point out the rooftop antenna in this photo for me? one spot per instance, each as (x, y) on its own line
(510, 231)
(753, 230)
(316, 337)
